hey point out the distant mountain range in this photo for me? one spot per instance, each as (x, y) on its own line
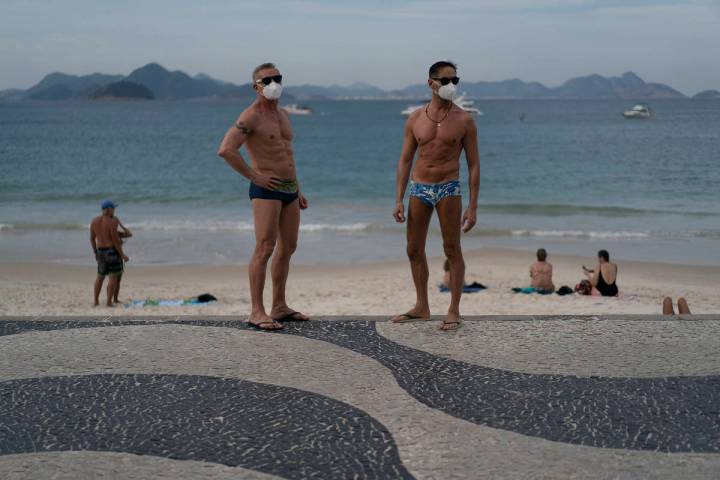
(707, 95)
(123, 89)
(161, 83)
(155, 81)
(628, 86)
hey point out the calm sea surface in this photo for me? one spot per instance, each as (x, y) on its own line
(573, 177)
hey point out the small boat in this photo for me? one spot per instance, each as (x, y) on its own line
(639, 112)
(295, 109)
(461, 102)
(410, 109)
(467, 105)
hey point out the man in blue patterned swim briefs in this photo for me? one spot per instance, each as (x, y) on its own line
(438, 132)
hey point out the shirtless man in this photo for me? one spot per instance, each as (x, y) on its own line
(274, 191)
(541, 273)
(106, 244)
(439, 132)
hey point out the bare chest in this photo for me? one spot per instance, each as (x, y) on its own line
(448, 132)
(274, 129)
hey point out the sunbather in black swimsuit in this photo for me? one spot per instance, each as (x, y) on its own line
(606, 290)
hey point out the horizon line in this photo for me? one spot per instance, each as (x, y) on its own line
(306, 84)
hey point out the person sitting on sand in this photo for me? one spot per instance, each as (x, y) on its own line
(467, 288)
(540, 276)
(603, 278)
(106, 244)
(541, 273)
(683, 307)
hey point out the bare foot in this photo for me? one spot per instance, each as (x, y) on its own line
(667, 306)
(287, 314)
(96, 304)
(109, 305)
(416, 314)
(683, 308)
(451, 323)
(264, 322)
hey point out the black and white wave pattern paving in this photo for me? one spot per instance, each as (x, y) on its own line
(666, 414)
(277, 430)
(669, 414)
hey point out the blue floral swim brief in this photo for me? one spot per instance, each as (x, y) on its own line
(432, 193)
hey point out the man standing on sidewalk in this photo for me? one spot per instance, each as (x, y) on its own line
(439, 133)
(265, 130)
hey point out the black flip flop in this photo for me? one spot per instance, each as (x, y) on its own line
(292, 317)
(258, 326)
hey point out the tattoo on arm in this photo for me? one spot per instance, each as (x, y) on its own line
(241, 126)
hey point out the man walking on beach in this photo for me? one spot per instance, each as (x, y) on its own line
(107, 246)
(274, 192)
(439, 132)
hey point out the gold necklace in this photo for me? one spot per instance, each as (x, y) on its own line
(436, 122)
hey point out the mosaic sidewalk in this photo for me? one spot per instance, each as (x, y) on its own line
(621, 397)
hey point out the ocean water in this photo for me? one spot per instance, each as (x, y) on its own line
(573, 177)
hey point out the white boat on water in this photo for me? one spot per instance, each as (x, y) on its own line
(410, 109)
(467, 105)
(460, 101)
(295, 109)
(639, 112)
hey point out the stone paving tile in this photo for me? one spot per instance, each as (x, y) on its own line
(610, 348)
(512, 401)
(429, 441)
(116, 466)
(272, 429)
(671, 414)
(97, 318)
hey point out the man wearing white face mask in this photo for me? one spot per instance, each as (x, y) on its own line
(439, 133)
(274, 191)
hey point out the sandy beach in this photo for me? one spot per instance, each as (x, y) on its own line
(371, 289)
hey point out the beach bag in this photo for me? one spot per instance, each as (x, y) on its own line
(205, 298)
(564, 290)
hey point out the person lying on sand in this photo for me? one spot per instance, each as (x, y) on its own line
(604, 277)
(683, 307)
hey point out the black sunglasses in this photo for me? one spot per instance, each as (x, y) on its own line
(446, 80)
(269, 80)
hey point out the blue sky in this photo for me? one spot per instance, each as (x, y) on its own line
(388, 43)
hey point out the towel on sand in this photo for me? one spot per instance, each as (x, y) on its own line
(528, 290)
(200, 300)
(471, 288)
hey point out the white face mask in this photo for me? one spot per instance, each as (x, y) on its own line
(447, 92)
(272, 91)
